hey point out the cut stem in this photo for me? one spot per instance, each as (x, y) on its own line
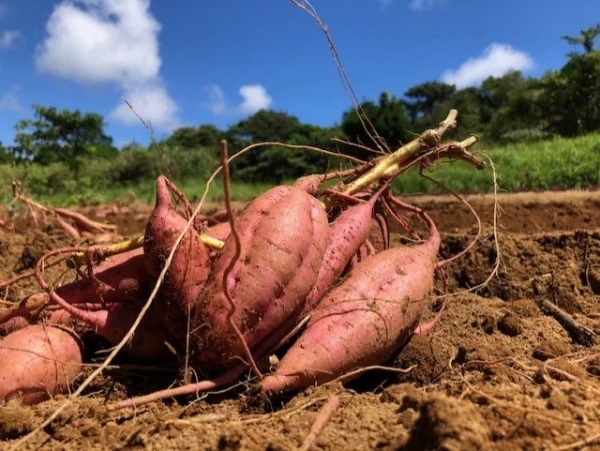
(134, 243)
(388, 166)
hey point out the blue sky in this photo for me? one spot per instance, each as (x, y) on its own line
(188, 62)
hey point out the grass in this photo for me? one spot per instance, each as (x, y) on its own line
(558, 163)
(144, 192)
(564, 163)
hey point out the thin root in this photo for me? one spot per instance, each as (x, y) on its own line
(320, 422)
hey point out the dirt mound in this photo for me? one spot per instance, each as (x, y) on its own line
(441, 426)
(520, 213)
(560, 267)
(19, 253)
(496, 373)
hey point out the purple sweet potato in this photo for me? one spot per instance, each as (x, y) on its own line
(38, 362)
(283, 236)
(364, 320)
(189, 269)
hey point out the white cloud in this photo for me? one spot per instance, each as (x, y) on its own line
(419, 5)
(109, 41)
(8, 37)
(11, 101)
(496, 60)
(152, 103)
(87, 46)
(216, 100)
(254, 98)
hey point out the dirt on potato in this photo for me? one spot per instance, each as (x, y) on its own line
(495, 373)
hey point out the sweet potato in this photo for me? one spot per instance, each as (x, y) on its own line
(190, 268)
(364, 320)
(38, 362)
(15, 323)
(60, 318)
(99, 238)
(310, 183)
(82, 221)
(149, 340)
(283, 236)
(201, 221)
(123, 277)
(262, 349)
(69, 229)
(347, 234)
(219, 217)
(220, 231)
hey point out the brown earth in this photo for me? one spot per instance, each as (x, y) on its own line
(495, 373)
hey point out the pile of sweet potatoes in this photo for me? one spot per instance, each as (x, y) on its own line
(303, 260)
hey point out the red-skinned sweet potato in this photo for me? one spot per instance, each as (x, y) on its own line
(112, 322)
(364, 320)
(189, 269)
(124, 273)
(82, 221)
(347, 234)
(219, 217)
(38, 362)
(60, 318)
(148, 342)
(283, 237)
(310, 183)
(229, 376)
(14, 323)
(149, 339)
(69, 229)
(220, 231)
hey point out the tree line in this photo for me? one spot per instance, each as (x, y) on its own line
(511, 108)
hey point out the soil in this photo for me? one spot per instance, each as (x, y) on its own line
(495, 373)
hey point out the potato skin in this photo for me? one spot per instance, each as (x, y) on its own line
(14, 323)
(363, 320)
(283, 235)
(220, 231)
(38, 362)
(346, 235)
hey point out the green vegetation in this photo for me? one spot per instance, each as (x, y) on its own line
(558, 162)
(542, 133)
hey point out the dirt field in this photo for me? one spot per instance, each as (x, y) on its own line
(496, 373)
